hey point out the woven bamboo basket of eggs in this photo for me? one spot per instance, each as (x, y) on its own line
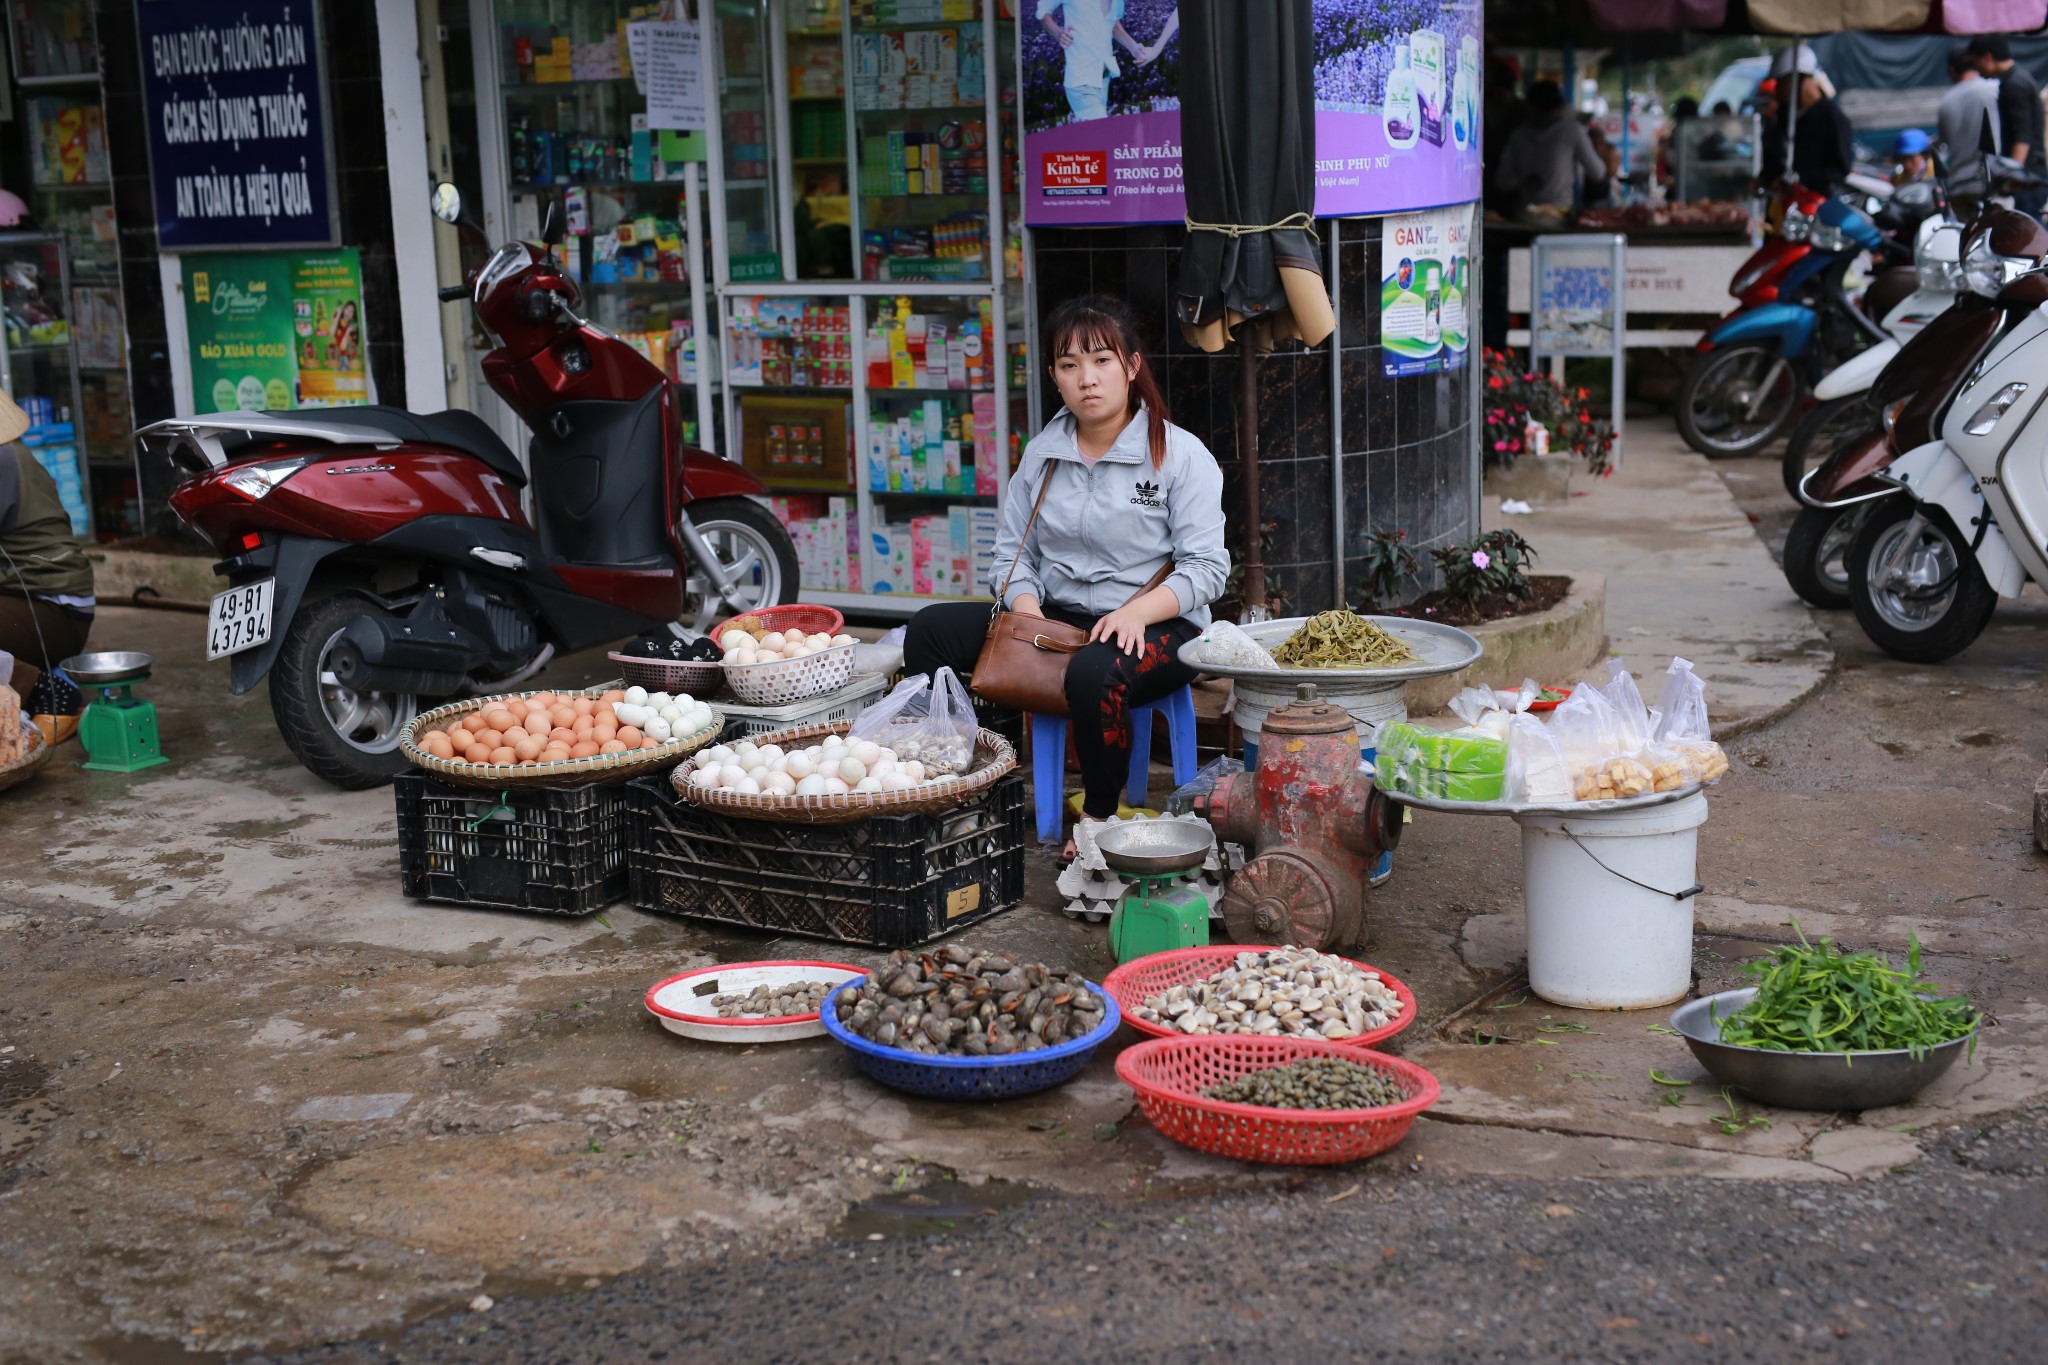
(993, 757)
(564, 752)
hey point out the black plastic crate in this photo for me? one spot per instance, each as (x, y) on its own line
(556, 850)
(890, 881)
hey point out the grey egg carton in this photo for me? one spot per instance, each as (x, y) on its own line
(1092, 890)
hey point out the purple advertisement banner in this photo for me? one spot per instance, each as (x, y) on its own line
(1398, 86)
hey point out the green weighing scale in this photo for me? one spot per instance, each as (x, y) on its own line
(1160, 912)
(117, 729)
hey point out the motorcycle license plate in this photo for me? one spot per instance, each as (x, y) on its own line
(239, 619)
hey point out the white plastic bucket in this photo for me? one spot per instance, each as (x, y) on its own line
(1610, 925)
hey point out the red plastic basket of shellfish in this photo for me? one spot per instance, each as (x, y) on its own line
(1170, 1074)
(1142, 978)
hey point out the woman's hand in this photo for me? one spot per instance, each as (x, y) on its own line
(1126, 626)
(1065, 36)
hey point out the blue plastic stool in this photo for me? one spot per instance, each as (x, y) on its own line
(1049, 756)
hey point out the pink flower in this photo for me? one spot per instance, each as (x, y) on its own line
(1480, 559)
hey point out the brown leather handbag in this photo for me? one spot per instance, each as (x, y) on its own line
(1023, 661)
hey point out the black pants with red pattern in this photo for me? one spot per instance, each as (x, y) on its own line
(1103, 683)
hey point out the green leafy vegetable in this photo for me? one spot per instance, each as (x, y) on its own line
(1817, 998)
(1341, 639)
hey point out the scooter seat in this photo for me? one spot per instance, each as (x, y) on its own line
(456, 429)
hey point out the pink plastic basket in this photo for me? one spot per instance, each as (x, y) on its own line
(812, 620)
(1141, 978)
(1169, 1075)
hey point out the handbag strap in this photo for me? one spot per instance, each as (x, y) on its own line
(1044, 486)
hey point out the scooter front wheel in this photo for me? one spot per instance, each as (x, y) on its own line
(346, 736)
(1736, 400)
(1915, 584)
(755, 552)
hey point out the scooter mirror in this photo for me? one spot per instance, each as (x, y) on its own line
(551, 224)
(447, 202)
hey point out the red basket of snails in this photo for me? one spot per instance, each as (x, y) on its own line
(1179, 1083)
(555, 739)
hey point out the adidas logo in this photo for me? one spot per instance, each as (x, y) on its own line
(1148, 495)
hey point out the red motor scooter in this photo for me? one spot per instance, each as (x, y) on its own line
(380, 559)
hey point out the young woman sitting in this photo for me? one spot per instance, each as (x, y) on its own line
(1120, 493)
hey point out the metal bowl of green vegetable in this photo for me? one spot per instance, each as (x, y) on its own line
(1807, 1079)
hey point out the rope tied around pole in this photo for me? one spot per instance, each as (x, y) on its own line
(1293, 222)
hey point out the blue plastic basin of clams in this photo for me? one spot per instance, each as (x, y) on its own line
(972, 1078)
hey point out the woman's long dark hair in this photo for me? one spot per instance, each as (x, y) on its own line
(1097, 322)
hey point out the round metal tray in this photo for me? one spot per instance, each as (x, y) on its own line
(1547, 807)
(1438, 649)
(1808, 1080)
(1155, 848)
(107, 666)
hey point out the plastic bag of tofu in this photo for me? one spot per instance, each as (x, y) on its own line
(1681, 729)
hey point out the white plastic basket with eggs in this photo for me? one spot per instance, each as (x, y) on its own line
(773, 668)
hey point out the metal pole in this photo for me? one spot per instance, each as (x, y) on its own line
(1248, 459)
(1336, 419)
(1788, 90)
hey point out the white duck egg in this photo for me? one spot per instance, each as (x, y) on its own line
(834, 742)
(657, 700)
(770, 752)
(774, 639)
(868, 784)
(706, 778)
(852, 769)
(884, 768)
(657, 730)
(636, 695)
(748, 787)
(798, 766)
(866, 750)
(759, 772)
(914, 770)
(731, 774)
(721, 753)
(782, 784)
(810, 785)
(896, 782)
(836, 786)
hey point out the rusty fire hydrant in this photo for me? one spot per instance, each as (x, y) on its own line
(1315, 822)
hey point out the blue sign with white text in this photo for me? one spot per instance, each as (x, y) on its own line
(237, 115)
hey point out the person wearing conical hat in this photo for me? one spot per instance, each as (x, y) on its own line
(46, 601)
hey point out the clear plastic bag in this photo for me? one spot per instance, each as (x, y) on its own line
(1592, 739)
(930, 720)
(1225, 643)
(1536, 768)
(1631, 716)
(1682, 729)
(1201, 784)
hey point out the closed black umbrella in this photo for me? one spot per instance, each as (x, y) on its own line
(1250, 270)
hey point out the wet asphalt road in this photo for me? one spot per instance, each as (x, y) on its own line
(1945, 1262)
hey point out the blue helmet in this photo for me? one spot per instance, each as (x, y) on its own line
(1911, 142)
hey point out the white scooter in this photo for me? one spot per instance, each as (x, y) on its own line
(1926, 569)
(1839, 410)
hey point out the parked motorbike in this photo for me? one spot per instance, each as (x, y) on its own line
(1926, 568)
(1796, 321)
(1839, 411)
(1838, 496)
(380, 559)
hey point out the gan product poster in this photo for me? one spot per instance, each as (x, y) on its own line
(276, 331)
(1424, 288)
(1398, 85)
(235, 98)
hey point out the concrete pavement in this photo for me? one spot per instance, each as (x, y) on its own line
(1686, 575)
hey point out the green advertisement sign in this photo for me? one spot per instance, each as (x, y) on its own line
(276, 330)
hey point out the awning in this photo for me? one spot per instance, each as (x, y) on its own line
(1830, 16)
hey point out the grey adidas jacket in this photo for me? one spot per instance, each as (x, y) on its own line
(1105, 530)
